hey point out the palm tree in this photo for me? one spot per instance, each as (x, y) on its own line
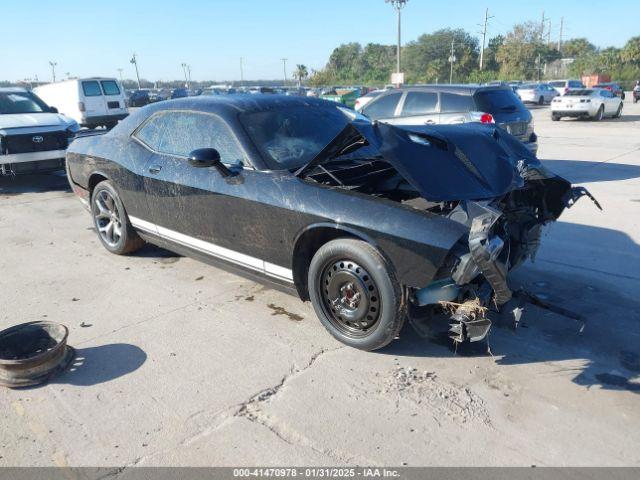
(300, 73)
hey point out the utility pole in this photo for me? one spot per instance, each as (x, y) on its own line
(134, 60)
(284, 69)
(398, 5)
(53, 70)
(542, 27)
(549, 33)
(560, 36)
(452, 60)
(120, 73)
(484, 37)
(241, 71)
(189, 73)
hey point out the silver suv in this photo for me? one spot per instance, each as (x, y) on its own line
(450, 104)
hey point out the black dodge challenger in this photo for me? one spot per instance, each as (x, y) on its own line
(368, 221)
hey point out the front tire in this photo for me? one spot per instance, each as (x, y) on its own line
(541, 101)
(112, 222)
(355, 293)
(555, 118)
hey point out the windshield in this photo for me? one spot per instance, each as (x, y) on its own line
(497, 101)
(290, 137)
(578, 93)
(557, 83)
(21, 102)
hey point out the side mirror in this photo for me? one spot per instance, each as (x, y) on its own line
(53, 110)
(208, 157)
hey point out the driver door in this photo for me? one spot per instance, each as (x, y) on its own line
(198, 207)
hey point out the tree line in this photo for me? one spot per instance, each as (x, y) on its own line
(521, 54)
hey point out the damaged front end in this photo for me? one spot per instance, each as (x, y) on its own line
(476, 175)
(503, 233)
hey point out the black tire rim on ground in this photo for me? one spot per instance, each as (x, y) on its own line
(350, 298)
(107, 218)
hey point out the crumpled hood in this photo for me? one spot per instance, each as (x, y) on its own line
(457, 162)
(469, 161)
(22, 120)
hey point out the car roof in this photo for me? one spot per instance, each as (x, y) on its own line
(12, 90)
(461, 88)
(226, 106)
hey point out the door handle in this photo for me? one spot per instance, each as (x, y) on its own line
(155, 169)
(429, 122)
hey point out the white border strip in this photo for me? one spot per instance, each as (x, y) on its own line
(238, 258)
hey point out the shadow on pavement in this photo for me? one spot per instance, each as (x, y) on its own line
(34, 183)
(95, 365)
(604, 354)
(578, 171)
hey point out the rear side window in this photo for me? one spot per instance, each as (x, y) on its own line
(498, 101)
(556, 84)
(453, 103)
(110, 87)
(91, 89)
(179, 133)
(383, 107)
(419, 103)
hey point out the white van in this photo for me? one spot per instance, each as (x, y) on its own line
(92, 102)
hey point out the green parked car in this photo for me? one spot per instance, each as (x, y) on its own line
(346, 96)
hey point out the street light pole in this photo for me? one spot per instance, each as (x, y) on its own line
(452, 60)
(134, 60)
(241, 71)
(184, 70)
(398, 5)
(120, 74)
(284, 70)
(53, 70)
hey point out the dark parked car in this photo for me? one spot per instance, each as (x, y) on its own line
(139, 98)
(365, 220)
(180, 93)
(454, 104)
(613, 87)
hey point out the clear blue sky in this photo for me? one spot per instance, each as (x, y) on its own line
(89, 38)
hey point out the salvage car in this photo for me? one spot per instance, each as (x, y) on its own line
(592, 103)
(366, 220)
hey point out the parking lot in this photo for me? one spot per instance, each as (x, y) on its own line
(180, 363)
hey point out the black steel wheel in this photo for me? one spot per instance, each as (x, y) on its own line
(350, 297)
(355, 294)
(111, 221)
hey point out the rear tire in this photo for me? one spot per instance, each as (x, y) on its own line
(541, 101)
(599, 115)
(555, 118)
(112, 222)
(355, 293)
(619, 112)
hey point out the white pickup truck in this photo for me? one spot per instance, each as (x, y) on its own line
(33, 136)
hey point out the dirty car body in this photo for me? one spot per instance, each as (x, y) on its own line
(365, 220)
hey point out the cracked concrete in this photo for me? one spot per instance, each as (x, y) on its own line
(185, 364)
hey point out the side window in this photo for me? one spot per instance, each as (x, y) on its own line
(453, 103)
(179, 133)
(91, 89)
(419, 103)
(383, 107)
(110, 87)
